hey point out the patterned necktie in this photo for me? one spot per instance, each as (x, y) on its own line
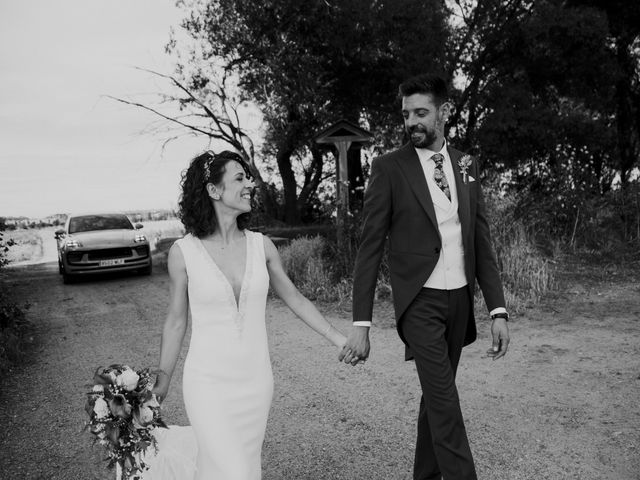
(439, 177)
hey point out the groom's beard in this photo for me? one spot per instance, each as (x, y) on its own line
(421, 137)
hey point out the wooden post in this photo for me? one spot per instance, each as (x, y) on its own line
(342, 134)
(342, 189)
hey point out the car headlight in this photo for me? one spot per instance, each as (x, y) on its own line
(72, 243)
(139, 238)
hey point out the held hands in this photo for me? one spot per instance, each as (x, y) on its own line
(500, 334)
(356, 349)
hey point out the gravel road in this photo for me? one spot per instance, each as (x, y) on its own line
(563, 405)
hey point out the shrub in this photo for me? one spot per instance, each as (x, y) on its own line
(4, 249)
(306, 261)
(525, 272)
(16, 332)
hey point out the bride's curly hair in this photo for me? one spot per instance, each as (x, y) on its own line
(195, 208)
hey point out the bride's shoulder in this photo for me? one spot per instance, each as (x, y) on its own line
(254, 235)
(183, 244)
(186, 238)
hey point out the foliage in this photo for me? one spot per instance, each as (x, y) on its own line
(16, 332)
(307, 64)
(578, 218)
(321, 269)
(526, 272)
(4, 248)
(549, 97)
(305, 263)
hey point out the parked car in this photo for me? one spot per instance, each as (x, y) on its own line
(99, 243)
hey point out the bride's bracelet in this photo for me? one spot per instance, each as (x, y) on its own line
(326, 332)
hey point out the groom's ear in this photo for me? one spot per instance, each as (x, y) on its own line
(446, 110)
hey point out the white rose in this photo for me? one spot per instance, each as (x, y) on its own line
(98, 388)
(142, 416)
(101, 408)
(146, 415)
(128, 380)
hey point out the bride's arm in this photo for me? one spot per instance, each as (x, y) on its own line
(297, 302)
(175, 324)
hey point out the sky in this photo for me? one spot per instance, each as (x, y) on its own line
(64, 147)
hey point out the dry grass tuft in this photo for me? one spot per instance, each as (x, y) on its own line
(527, 274)
(306, 262)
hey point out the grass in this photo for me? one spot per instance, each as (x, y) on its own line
(527, 273)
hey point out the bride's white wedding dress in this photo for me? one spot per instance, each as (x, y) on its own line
(227, 380)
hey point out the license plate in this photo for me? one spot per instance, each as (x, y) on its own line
(111, 263)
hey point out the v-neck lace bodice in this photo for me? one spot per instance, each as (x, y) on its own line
(212, 300)
(237, 301)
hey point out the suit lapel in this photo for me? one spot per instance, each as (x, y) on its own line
(462, 191)
(409, 164)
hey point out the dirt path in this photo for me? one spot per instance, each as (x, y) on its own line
(563, 406)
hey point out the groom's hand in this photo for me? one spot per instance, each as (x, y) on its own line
(500, 334)
(357, 347)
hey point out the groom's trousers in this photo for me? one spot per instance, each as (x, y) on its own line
(434, 328)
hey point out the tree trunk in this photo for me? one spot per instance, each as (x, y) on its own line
(624, 109)
(312, 179)
(283, 158)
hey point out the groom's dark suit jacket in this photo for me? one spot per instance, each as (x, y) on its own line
(398, 205)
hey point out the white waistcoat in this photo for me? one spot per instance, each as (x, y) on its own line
(449, 271)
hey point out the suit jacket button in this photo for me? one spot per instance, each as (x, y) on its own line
(437, 250)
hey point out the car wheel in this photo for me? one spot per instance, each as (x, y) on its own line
(67, 279)
(60, 268)
(146, 270)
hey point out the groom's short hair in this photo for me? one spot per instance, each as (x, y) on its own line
(425, 84)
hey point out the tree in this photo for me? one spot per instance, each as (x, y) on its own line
(210, 106)
(542, 84)
(624, 30)
(307, 64)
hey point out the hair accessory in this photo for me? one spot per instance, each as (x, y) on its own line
(207, 170)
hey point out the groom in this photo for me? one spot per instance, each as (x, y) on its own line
(426, 199)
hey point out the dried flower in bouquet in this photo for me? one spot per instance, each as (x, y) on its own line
(122, 416)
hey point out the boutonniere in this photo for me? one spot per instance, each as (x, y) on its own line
(464, 163)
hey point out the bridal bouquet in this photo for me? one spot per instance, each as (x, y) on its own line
(122, 415)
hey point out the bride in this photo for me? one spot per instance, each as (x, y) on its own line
(220, 272)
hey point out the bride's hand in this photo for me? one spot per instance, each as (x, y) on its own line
(161, 387)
